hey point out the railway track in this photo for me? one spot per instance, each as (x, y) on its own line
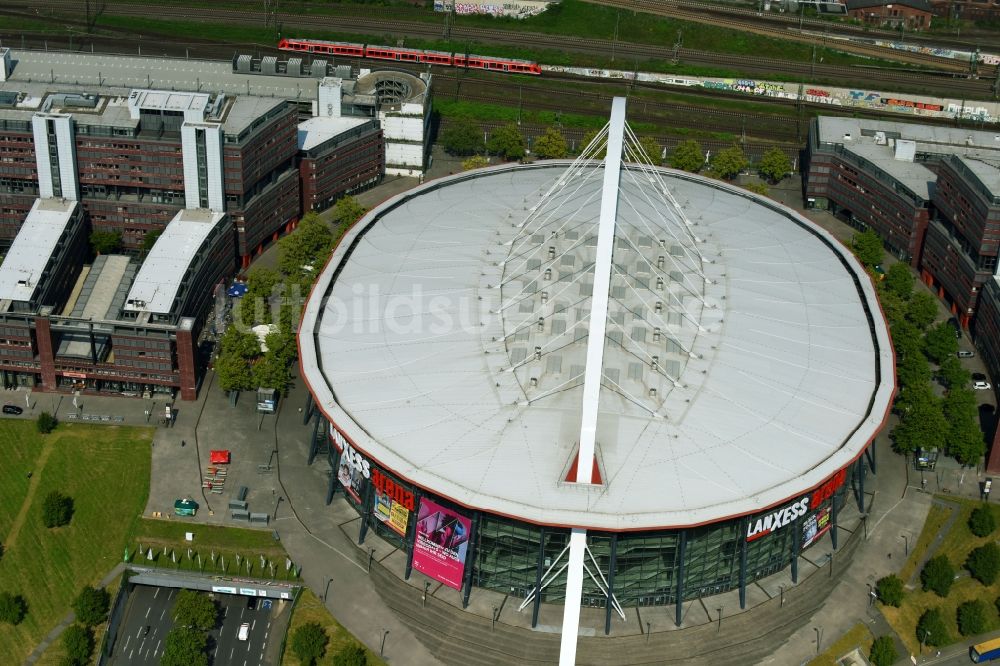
(923, 82)
(751, 22)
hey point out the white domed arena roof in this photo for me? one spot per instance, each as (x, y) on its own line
(745, 356)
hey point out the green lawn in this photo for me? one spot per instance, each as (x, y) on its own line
(956, 546)
(857, 636)
(310, 609)
(105, 469)
(224, 542)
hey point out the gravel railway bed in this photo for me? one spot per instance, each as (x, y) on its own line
(941, 83)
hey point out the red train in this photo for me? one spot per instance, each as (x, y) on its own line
(399, 54)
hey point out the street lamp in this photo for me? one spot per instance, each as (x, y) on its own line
(719, 611)
(819, 637)
(782, 602)
(923, 638)
(871, 594)
(493, 624)
(371, 556)
(906, 544)
(326, 592)
(649, 628)
(427, 586)
(381, 648)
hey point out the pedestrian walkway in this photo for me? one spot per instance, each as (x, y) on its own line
(69, 619)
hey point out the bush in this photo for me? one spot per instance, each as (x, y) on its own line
(57, 509)
(883, 652)
(79, 643)
(890, 590)
(972, 618)
(309, 643)
(13, 608)
(195, 609)
(981, 521)
(91, 605)
(931, 629)
(984, 563)
(352, 655)
(938, 575)
(46, 423)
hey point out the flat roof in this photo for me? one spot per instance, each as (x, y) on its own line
(83, 69)
(32, 248)
(768, 369)
(318, 130)
(160, 276)
(914, 175)
(105, 287)
(987, 172)
(935, 139)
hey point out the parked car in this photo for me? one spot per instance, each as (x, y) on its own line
(978, 377)
(13, 409)
(244, 631)
(981, 386)
(251, 603)
(963, 353)
(958, 327)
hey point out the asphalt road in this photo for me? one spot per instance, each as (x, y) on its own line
(224, 644)
(151, 607)
(147, 607)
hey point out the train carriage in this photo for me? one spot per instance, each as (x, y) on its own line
(401, 54)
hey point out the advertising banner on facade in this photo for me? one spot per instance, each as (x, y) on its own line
(815, 526)
(393, 502)
(441, 544)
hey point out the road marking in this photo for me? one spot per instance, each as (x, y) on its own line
(156, 593)
(125, 647)
(163, 613)
(231, 654)
(253, 624)
(225, 611)
(147, 611)
(130, 655)
(216, 651)
(157, 648)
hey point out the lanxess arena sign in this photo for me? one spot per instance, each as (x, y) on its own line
(775, 520)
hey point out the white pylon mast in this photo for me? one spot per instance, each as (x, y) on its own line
(594, 372)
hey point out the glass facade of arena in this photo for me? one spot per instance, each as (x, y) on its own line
(649, 568)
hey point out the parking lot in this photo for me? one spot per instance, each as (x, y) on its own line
(147, 621)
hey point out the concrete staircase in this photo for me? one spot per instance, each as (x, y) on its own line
(461, 638)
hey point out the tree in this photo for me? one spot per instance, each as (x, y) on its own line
(507, 142)
(890, 590)
(972, 618)
(195, 609)
(965, 436)
(351, 655)
(308, 246)
(922, 310)
(233, 373)
(907, 339)
(309, 643)
(105, 242)
(867, 248)
(940, 342)
(241, 344)
(952, 374)
(883, 652)
(774, 165)
(982, 522)
(347, 211)
(91, 605)
(983, 563)
(57, 509)
(475, 162)
(462, 136)
(729, 162)
(914, 371)
(78, 641)
(551, 145)
(588, 138)
(938, 575)
(899, 280)
(931, 629)
(650, 150)
(893, 306)
(271, 371)
(688, 155)
(46, 423)
(149, 240)
(13, 608)
(922, 425)
(184, 646)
